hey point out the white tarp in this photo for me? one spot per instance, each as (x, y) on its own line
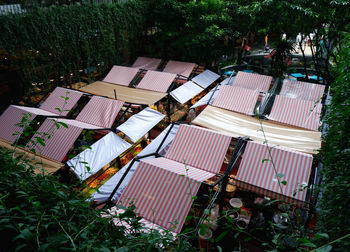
(185, 92)
(138, 125)
(206, 78)
(101, 153)
(106, 189)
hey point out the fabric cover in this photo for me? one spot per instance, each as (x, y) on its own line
(60, 141)
(239, 125)
(186, 91)
(302, 90)
(12, 116)
(256, 172)
(198, 147)
(106, 189)
(162, 191)
(179, 67)
(126, 94)
(237, 99)
(57, 100)
(100, 154)
(300, 113)
(138, 125)
(100, 111)
(206, 78)
(253, 81)
(156, 81)
(147, 63)
(121, 75)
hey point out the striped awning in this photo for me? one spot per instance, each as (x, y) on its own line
(179, 67)
(100, 111)
(126, 94)
(206, 78)
(61, 101)
(256, 172)
(121, 75)
(186, 92)
(12, 116)
(59, 141)
(238, 125)
(156, 81)
(147, 63)
(162, 191)
(199, 147)
(237, 99)
(300, 113)
(253, 81)
(302, 90)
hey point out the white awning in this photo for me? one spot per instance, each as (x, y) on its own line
(185, 92)
(239, 125)
(138, 125)
(209, 96)
(206, 78)
(106, 189)
(101, 153)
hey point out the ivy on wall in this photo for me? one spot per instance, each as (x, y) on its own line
(56, 44)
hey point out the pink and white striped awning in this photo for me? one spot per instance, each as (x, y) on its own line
(300, 113)
(237, 99)
(256, 172)
(147, 63)
(100, 111)
(156, 81)
(162, 191)
(199, 147)
(61, 100)
(253, 81)
(59, 141)
(12, 116)
(302, 90)
(121, 75)
(179, 67)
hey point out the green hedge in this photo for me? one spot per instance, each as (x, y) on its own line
(335, 215)
(57, 42)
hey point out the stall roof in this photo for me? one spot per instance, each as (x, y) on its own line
(261, 173)
(40, 163)
(253, 81)
(156, 81)
(299, 113)
(179, 67)
(239, 125)
(126, 94)
(121, 75)
(302, 90)
(237, 99)
(147, 63)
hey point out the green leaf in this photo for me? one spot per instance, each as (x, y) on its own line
(58, 109)
(284, 182)
(265, 160)
(63, 124)
(327, 248)
(40, 141)
(321, 235)
(221, 236)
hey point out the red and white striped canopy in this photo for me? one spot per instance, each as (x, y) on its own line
(300, 113)
(256, 172)
(237, 99)
(12, 116)
(302, 90)
(100, 111)
(179, 67)
(147, 63)
(253, 81)
(199, 147)
(121, 75)
(156, 81)
(162, 191)
(59, 142)
(57, 99)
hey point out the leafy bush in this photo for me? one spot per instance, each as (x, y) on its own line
(37, 213)
(334, 214)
